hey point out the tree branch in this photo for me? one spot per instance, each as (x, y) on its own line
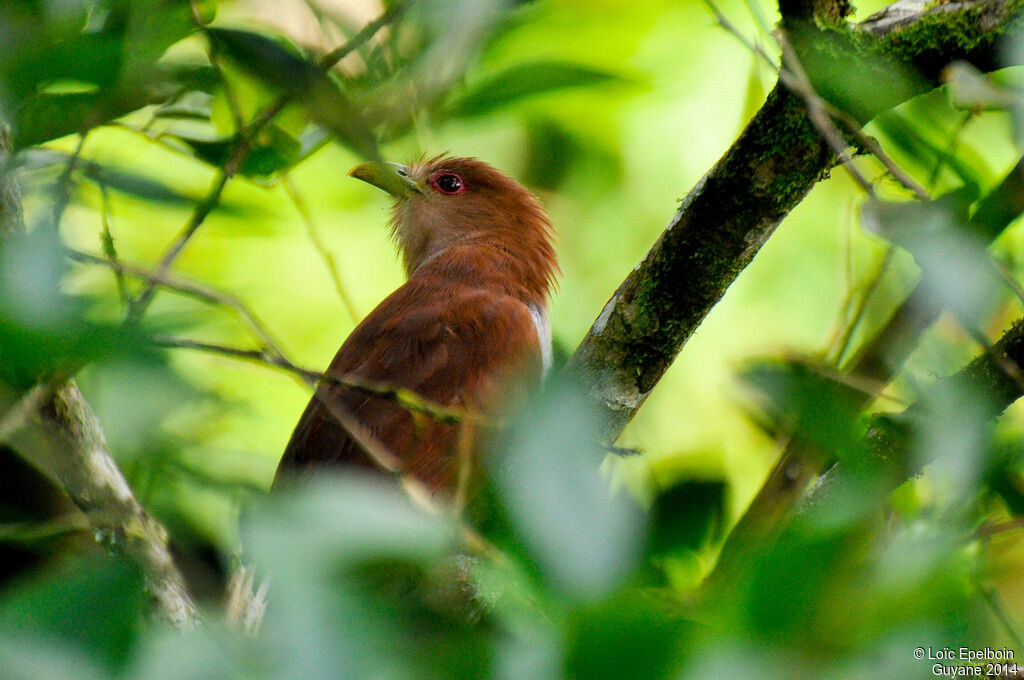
(53, 428)
(737, 205)
(238, 154)
(876, 362)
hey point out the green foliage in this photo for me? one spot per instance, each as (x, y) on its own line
(569, 565)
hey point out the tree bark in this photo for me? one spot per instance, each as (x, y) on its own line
(736, 206)
(52, 427)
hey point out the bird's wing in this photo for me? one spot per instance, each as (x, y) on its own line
(456, 346)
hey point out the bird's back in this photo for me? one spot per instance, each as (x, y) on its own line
(459, 339)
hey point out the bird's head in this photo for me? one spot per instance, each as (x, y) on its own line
(444, 202)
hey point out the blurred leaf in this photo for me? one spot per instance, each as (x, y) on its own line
(1001, 206)
(273, 150)
(321, 543)
(971, 89)
(105, 176)
(806, 400)
(687, 515)
(629, 636)
(788, 584)
(522, 81)
(583, 539)
(133, 397)
(551, 153)
(951, 429)
(926, 132)
(42, 330)
(303, 80)
(957, 272)
(1005, 476)
(44, 657)
(112, 50)
(207, 652)
(92, 606)
(194, 104)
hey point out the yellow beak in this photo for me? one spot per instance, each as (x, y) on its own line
(391, 177)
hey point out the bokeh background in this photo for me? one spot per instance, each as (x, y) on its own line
(611, 112)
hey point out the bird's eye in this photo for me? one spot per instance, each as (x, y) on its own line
(448, 183)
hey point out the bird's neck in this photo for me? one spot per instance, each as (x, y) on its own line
(495, 267)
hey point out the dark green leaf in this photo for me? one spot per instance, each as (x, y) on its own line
(106, 176)
(110, 54)
(687, 515)
(301, 79)
(627, 637)
(806, 400)
(93, 607)
(1001, 206)
(526, 80)
(273, 151)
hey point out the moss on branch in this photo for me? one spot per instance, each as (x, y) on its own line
(737, 205)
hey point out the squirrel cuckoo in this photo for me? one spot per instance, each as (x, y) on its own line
(467, 330)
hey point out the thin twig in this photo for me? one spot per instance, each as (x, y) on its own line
(237, 156)
(25, 409)
(318, 245)
(992, 528)
(199, 214)
(862, 303)
(996, 605)
(393, 13)
(756, 48)
(62, 189)
(795, 78)
(109, 249)
(407, 399)
(871, 144)
(954, 142)
(821, 112)
(189, 288)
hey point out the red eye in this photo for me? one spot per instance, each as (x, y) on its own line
(448, 182)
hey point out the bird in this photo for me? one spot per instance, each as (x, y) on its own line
(468, 330)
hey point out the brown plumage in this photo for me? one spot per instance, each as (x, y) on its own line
(467, 330)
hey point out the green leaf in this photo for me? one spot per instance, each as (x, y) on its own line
(25, 656)
(808, 401)
(301, 79)
(206, 652)
(687, 515)
(105, 176)
(344, 555)
(626, 637)
(112, 54)
(273, 150)
(583, 539)
(522, 81)
(957, 272)
(43, 330)
(93, 607)
(1001, 206)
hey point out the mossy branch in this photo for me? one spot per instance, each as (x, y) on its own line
(723, 222)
